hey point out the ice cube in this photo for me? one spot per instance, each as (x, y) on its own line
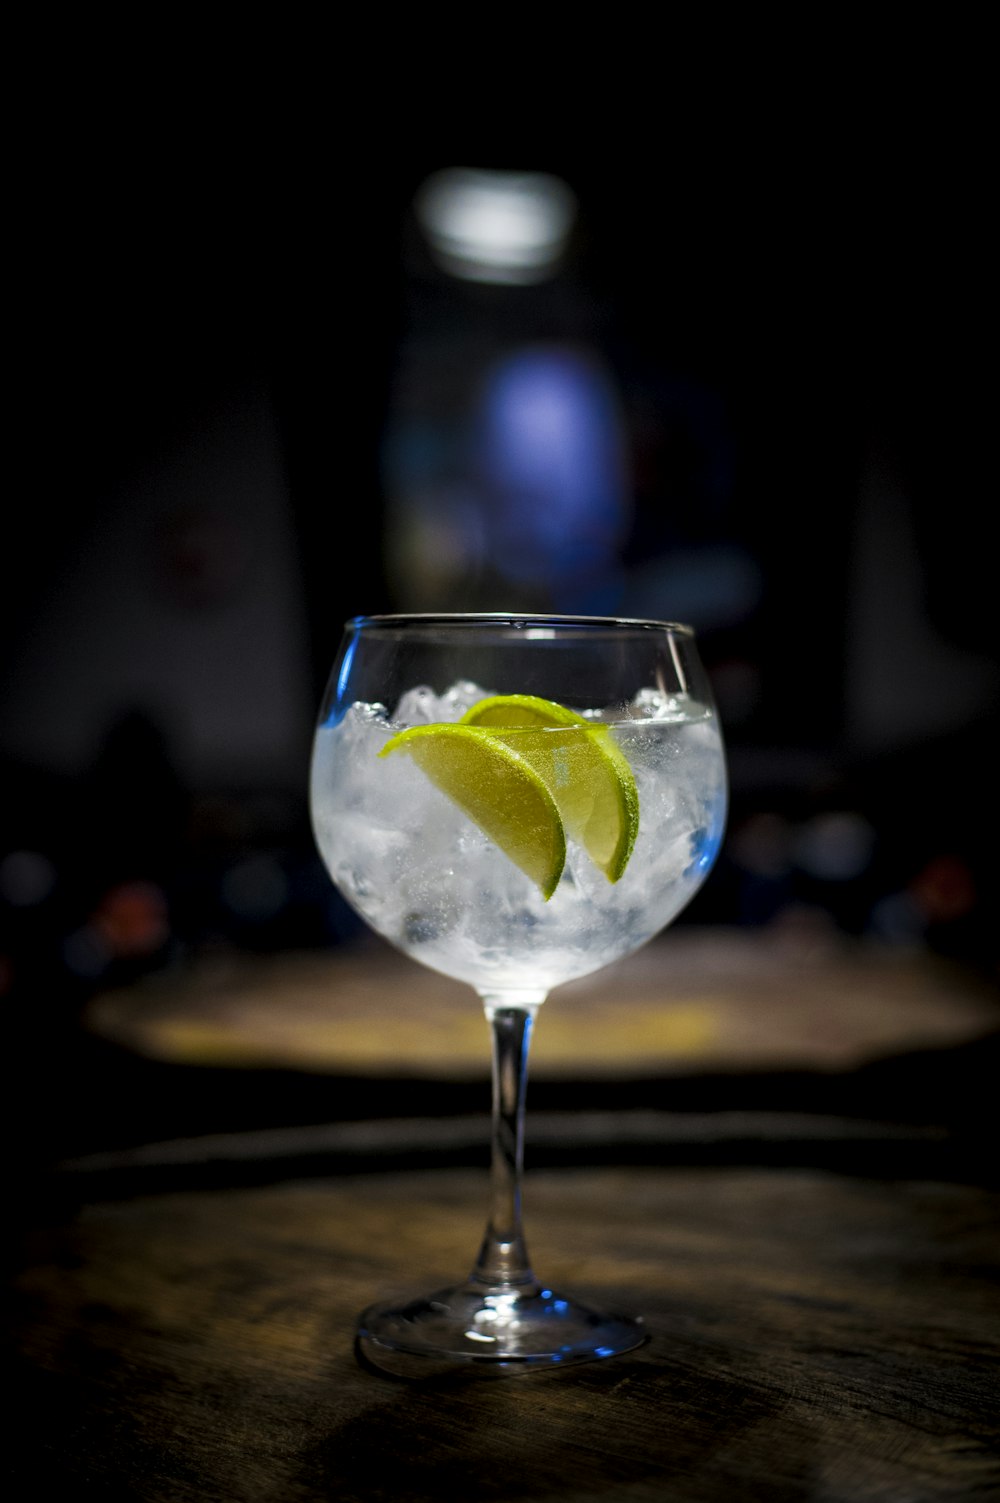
(421, 706)
(654, 704)
(459, 698)
(417, 706)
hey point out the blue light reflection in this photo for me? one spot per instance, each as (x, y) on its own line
(553, 471)
(340, 705)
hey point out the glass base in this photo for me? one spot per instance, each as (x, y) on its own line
(493, 1331)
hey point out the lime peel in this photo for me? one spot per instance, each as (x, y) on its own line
(497, 788)
(588, 775)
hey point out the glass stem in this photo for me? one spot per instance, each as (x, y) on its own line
(503, 1263)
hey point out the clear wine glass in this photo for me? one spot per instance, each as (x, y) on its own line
(514, 802)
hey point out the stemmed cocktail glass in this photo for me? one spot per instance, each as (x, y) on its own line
(515, 802)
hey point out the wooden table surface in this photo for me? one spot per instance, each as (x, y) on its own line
(806, 1214)
(811, 1337)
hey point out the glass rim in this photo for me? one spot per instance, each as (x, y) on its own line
(517, 619)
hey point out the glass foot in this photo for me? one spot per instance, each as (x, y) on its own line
(495, 1331)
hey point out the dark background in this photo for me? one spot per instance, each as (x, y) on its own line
(216, 305)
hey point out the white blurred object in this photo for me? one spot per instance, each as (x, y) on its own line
(494, 226)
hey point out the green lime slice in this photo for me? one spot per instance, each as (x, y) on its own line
(521, 710)
(587, 774)
(498, 789)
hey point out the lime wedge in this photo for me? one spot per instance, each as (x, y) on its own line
(521, 710)
(498, 789)
(586, 772)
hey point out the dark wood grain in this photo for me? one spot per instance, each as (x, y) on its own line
(813, 1337)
